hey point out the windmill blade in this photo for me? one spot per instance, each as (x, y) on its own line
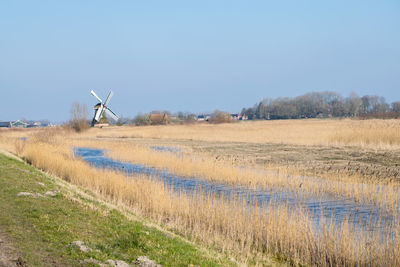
(108, 98)
(94, 94)
(112, 114)
(99, 112)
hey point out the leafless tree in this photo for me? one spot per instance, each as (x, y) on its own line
(79, 115)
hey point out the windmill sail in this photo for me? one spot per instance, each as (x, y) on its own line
(99, 112)
(111, 114)
(94, 94)
(108, 98)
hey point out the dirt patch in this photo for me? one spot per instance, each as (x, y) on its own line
(8, 255)
(315, 160)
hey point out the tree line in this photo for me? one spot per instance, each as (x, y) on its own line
(323, 105)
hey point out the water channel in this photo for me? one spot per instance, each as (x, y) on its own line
(366, 217)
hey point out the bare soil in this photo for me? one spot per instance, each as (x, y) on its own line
(316, 160)
(8, 255)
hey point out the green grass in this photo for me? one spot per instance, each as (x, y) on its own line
(41, 228)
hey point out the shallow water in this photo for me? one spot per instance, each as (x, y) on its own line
(366, 217)
(166, 149)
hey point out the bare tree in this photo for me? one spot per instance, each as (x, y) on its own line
(353, 105)
(79, 115)
(396, 107)
(319, 104)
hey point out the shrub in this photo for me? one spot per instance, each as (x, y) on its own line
(220, 117)
(142, 119)
(79, 125)
(78, 121)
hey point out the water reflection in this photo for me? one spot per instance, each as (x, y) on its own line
(363, 216)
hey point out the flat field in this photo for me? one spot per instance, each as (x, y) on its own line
(317, 192)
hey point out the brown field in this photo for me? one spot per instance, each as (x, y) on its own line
(268, 154)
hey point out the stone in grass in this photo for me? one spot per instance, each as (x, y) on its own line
(117, 263)
(51, 193)
(81, 245)
(143, 261)
(28, 194)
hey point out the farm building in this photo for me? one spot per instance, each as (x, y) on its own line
(238, 116)
(19, 124)
(13, 124)
(203, 117)
(5, 124)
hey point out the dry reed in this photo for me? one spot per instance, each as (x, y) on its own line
(386, 196)
(375, 134)
(224, 222)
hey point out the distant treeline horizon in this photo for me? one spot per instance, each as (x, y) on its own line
(323, 105)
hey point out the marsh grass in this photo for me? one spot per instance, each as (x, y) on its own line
(19, 146)
(223, 222)
(378, 134)
(229, 224)
(372, 134)
(277, 179)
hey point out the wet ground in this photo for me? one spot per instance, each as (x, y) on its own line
(317, 160)
(366, 217)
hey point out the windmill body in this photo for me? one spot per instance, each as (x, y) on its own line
(101, 108)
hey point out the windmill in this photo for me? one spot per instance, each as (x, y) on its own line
(101, 107)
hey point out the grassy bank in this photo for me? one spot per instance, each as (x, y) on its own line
(42, 227)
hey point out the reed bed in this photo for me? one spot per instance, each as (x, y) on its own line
(378, 134)
(222, 222)
(387, 196)
(373, 134)
(228, 224)
(202, 167)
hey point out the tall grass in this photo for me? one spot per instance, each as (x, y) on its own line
(375, 134)
(281, 178)
(226, 223)
(284, 179)
(380, 134)
(240, 228)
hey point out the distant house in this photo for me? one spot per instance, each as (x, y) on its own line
(19, 124)
(239, 117)
(203, 117)
(6, 124)
(33, 124)
(159, 118)
(13, 124)
(235, 116)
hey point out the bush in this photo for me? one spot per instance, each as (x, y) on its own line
(78, 120)
(220, 117)
(79, 125)
(142, 119)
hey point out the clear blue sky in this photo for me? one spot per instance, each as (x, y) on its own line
(191, 55)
